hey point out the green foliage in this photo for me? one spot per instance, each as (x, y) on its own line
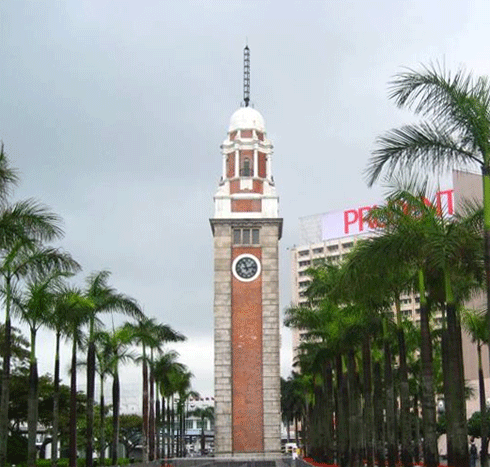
(16, 448)
(474, 424)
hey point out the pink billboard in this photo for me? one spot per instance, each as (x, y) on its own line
(349, 222)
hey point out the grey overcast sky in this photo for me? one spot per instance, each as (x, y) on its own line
(114, 112)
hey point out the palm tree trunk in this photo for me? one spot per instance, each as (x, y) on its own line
(354, 411)
(172, 428)
(115, 416)
(448, 381)
(90, 400)
(151, 420)
(460, 435)
(486, 236)
(73, 406)
(342, 420)
(416, 429)
(102, 421)
(164, 430)
(56, 402)
(406, 455)
(329, 410)
(32, 404)
(378, 414)
(483, 410)
(145, 407)
(431, 456)
(315, 419)
(157, 426)
(169, 432)
(390, 406)
(368, 414)
(4, 404)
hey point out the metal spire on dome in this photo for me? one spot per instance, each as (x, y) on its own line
(246, 75)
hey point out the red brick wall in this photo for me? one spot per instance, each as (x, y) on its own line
(262, 168)
(246, 205)
(247, 388)
(258, 187)
(230, 164)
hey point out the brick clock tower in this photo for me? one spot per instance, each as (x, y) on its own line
(246, 229)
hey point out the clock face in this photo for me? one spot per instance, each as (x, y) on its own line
(246, 267)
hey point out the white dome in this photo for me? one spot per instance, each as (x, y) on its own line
(247, 118)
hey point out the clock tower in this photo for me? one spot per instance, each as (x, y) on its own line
(246, 229)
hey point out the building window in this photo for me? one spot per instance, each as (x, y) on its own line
(348, 245)
(246, 236)
(333, 248)
(304, 252)
(317, 251)
(304, 263)
(246, 169)
(189, 424)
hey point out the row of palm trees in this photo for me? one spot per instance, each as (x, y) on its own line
(355, 359)
(354, 408)
(34, 289)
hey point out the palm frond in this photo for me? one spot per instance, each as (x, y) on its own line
(417, 147)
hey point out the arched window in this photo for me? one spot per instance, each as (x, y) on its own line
(246, 169)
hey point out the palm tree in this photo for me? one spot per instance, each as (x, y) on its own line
(475, 323)
(21, 223)
(105, 299)
(25, 260)
(79, 310)
(162, 368)
(165, 367)
(369, 262)
(103, 356)
(147, 333)
(162, 333)
(457, 133)
(58, 319)
(117, 347)
(34, 308)
(449, 250)
(182, 382)
(21, 259)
